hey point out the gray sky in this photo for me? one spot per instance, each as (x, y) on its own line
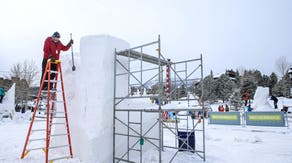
(249, 34)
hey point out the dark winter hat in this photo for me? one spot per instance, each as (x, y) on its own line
(56, 34)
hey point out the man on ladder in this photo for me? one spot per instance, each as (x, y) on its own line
(52, 49)
(52, 70)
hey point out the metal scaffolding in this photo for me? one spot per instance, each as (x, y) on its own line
(139, 127)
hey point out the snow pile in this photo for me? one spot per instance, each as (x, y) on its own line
(7, 106)
(261, 100)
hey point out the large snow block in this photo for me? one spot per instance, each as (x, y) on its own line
(90, 92)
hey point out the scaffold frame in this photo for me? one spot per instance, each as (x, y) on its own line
(136, 54)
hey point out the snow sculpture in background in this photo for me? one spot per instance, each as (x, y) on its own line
(261, 98)
(7, 106)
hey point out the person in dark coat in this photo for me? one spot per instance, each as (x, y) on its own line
(226, 108)
(23, 109)
(275, 99)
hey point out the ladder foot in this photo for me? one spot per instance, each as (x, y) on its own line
(25, 154)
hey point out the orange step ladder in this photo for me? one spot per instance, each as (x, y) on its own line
(40, 133)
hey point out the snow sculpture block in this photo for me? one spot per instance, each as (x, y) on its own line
(90, 91)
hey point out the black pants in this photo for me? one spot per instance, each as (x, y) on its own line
(1, 98)
(275, 105)
(52, 76)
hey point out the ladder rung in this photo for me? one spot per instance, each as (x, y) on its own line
(51, 71)
(40, 120)
(52, 81)
(56, 101)
(38, 130)
(58, 117)
(58, 123)
(54, 112)
(53, 147)
(59, 158)
(45, 98)
(59, 134)
(51, 100)
(45, 92)
(37, 139)
(39, 117)
(31, 149)
(59, 146)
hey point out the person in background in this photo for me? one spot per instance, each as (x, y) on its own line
(275, 99)
(248, 108)
(220, 108)
(245, 98)
(226, 108)
(52, 49)
(285, 109)
(2, 94)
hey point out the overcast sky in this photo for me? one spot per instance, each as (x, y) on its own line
(249, 34)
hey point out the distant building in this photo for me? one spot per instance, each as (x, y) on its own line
(21, 88)
(230, 73)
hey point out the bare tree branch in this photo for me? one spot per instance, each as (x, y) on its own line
(26, 70)
(29, 71)
(282, 65)
(16, 70)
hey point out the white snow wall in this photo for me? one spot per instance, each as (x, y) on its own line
(89, 93)
(261, 100)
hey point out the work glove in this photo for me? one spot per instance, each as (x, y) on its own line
(70, 42)
(52, 58)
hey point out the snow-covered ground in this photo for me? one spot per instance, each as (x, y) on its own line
(226, 144)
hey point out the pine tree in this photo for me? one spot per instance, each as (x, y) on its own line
(224, 88)
(209, 90)
(273, 80)
(282, 88)
(265, 82)
(236, 99)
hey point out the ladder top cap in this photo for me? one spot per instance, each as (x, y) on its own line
(56, 61)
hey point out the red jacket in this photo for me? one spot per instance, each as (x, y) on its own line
(53, 49)
(245, 96)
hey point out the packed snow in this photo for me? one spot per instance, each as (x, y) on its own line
(89, 93)
(224, 144)
(7, 106)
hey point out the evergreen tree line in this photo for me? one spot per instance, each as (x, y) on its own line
(231, 87)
